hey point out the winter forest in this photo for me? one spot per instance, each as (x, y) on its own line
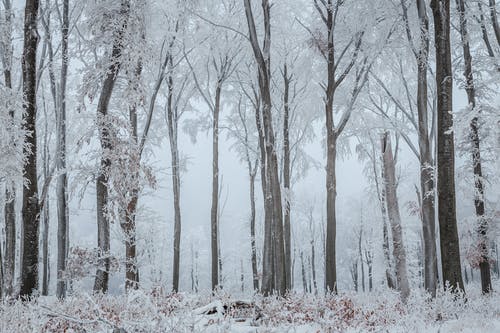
(249, 166)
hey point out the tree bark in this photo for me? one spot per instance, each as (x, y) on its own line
(214, 213)
(331, 193)
(394, 217)
(129, 223)
(383, 210)
(286, 177)
(360, 255)
(103, 235)
(30, 210)
(482, 229)
(62, 180)
(173, 122)
(46, 216)
(255, 273)
(425, 154)
(262, 58)
(450, 249)
(267, 284)
(9, 258)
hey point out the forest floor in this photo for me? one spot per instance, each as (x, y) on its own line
(142, 311)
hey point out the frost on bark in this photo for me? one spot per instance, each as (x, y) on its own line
(335, 77)
(173, 122)
(30, 210)
(448, 233)
(286, 176)
(9, 256)
(421, 54)
(274, 271)
(252, 168)
(482, 224)
(394, 217)
(103, 235)
(62, 180)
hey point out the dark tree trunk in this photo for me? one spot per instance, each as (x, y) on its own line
(103, 235)
(331, 193)
(484, 265)
(30, 210)
(46, 216)
(45, 249)
(450, 249)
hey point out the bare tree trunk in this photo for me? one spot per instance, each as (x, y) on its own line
(255, 273)
(482, 229)
(426, 163)
(313, 267)
(360, 255)
(383, 209)
(354, 274)
(484, 33)
(103, 235)
(394, 217)
(286, 177)
(62, 179)
(30, 210)
(303, 269)
(252, 173)
(262, 58)
(369, 263)
(172, 122)
(214, 213)
(331, 193)
(450, 249)
(45, 250)
(46, 215)
(10, 191)
(267, 284)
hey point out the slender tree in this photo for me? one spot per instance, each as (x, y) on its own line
(274, 271)
(103, 231)
(421, 53)
(482, 225)
(62, 179)
(394, 216)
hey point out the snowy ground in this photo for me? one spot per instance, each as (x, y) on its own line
(142, 311)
